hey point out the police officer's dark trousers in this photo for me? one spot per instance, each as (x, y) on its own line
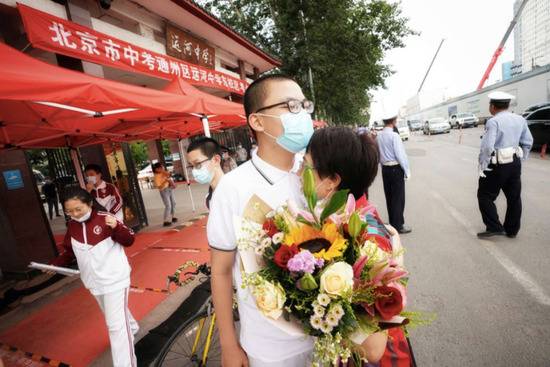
(394, 189)
(505, 177)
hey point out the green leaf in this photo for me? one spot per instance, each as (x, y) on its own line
(337, 201)
(355, 225)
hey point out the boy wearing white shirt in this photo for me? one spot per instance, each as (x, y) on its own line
(279, 116)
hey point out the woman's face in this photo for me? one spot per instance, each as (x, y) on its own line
(323, 186)
(76, 208)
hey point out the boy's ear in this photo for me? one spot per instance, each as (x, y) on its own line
(256, 123)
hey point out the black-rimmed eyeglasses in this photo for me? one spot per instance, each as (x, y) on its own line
(198, 165)
(293, 105)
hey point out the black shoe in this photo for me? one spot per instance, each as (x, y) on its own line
(174, 220)
(488, 234)
(166, 224)
(404, 230)
(509, 235)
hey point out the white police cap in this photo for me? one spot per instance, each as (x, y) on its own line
(499, 96)
(389, 116)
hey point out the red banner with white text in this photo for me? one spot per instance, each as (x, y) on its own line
(54, 34)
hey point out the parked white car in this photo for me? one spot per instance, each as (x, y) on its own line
(463, 120)
(436, 125)
(404, 131)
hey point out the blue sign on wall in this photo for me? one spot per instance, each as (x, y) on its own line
(13, 179)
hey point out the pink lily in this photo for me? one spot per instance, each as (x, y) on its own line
(384, 274)
(306, 215)
(350, 205)
(359, 266)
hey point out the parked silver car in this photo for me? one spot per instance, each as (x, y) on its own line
(436, 125)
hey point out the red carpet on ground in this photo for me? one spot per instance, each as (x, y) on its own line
(72, 328)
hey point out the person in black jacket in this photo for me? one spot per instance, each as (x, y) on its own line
(50, 192)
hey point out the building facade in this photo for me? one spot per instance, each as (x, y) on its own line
(175, 39)
(532, 35)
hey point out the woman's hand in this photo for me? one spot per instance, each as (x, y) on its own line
(374, 346)
(234, 357)
(111, 221)
(89, 187)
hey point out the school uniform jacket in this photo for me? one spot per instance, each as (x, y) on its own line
(108, 196)
(99, 252)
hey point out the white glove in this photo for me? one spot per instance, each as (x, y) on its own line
(482, 172)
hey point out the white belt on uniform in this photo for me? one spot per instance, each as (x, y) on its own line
(506, 155)
(390, 163)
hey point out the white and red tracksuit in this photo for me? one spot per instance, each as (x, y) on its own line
(109, 197)
(105, 271)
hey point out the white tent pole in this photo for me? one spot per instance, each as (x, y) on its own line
(205, 126)
(184, 164)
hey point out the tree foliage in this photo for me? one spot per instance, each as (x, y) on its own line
(342, 41)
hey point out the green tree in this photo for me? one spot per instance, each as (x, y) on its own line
(342, 41)
(139, 153)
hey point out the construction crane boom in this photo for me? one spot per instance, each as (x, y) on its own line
(500, 47)
(431, 64)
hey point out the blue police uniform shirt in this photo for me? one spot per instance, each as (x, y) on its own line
(391, 149)
(504, 130)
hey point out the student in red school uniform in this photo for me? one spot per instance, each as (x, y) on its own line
(105, 193)
(97, 240)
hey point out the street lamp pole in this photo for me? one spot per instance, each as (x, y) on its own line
(309, 73)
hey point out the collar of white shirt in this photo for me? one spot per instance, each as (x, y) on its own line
(273, 173)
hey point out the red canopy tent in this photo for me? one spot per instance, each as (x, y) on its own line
(42, 105)
(175, 126)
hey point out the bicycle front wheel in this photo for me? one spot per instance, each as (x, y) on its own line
(196, 344)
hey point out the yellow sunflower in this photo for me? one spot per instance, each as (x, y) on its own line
(326, 243)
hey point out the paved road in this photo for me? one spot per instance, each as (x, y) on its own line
(492, 298)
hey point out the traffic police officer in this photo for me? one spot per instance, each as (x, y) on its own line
(395, 170)
(507, 140)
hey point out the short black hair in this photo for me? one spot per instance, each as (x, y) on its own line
(77, 193)
(255, 94)
(341, 151)
(390, 121)
(93, 167)
(156, 165)
(208, 146)
(500, 105)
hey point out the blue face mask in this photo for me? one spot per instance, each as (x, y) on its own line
(298, 129)
(203, 175)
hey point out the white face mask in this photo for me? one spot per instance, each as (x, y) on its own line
(91, 179)
(83, 218)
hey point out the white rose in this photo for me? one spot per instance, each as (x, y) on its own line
(337, 279)
(270, 299)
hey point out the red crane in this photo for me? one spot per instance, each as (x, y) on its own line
(500, 47)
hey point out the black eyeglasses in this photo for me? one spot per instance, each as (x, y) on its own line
(198, 165)
(293, 105)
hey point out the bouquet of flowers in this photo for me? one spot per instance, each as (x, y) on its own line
(329, 270)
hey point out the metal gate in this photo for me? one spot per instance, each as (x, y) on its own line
(135, 198)
(61, 168)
